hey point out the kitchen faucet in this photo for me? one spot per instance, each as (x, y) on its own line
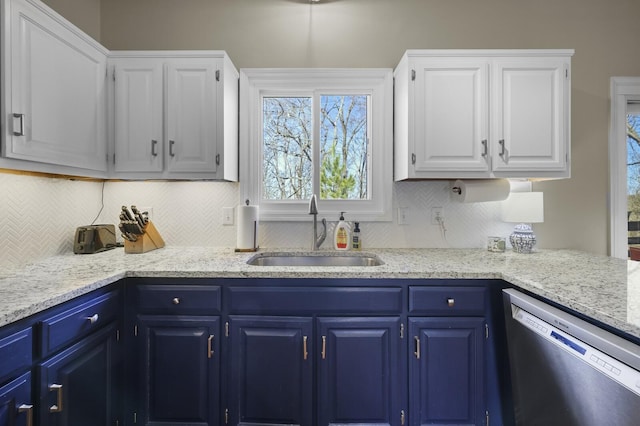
(313, 209)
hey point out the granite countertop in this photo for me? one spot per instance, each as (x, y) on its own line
(600, 287)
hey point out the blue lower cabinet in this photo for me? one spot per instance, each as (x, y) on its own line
(359, 371)
(178, 362)
(271, 364)
(446, 371)
(16, 406)
(77, 386)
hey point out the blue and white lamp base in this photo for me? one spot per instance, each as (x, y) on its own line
(523, 240)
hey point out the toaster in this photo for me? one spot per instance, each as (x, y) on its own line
(94, 238)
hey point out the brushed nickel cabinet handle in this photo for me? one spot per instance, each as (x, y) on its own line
(210, 346)
(324, 347)
(26, 408)
(416, 352)
(305, 354)
(451, 302)
(21, 131)
(93, 319)
(57, 408)
(176, 301)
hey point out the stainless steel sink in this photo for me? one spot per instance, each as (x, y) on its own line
(314, 259)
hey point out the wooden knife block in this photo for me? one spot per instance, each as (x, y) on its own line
(148, 241)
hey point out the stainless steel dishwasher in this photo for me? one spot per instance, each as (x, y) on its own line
(566, 371)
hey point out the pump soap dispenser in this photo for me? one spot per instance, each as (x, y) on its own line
(341, 237)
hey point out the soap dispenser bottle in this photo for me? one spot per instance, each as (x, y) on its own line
(341, 237)
(356, 242)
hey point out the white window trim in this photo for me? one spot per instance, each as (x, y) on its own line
(623, 90)
(378, 82)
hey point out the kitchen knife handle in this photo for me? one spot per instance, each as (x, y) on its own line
(171, 153)
(56, 408)
(29, 410)
(21, 131)
(154, 144)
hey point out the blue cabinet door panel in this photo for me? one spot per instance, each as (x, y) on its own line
(446, 371)
(358, 371)
(15, 400)
(271, 374)
(16, 352)
(85, 374)
(179, 368)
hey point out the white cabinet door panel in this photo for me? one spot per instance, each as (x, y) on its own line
(138, 115)
(529, 115)
(58, 86)
(191, 116)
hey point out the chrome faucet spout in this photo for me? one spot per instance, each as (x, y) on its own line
(317, 239)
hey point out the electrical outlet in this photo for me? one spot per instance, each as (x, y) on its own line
(437, 215)
(227, 215)
(402, 216)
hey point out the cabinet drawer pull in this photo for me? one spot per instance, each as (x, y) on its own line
(324, 347)
(451, 302)
(176, 300)
(57, 408)
(416, 352)
(154, 144)
(210, 346)
(305, 354)
(21, 131)
(484, 147)
(92, 319)
(26, 408)
(171, 153)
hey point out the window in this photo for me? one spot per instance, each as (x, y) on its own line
(323, 132)
(625, 100)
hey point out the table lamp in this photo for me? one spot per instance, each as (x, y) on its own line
(523, 208)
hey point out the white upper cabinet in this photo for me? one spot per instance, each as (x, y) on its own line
(54, 84)
(479, 114)
(175, 115)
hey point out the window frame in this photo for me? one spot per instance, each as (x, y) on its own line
(257, 83)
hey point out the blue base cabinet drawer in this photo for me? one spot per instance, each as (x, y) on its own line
(16, 353)
(177, 299)
(78, 321)
(447, 301)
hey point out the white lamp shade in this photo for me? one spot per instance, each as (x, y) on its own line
(523, 207)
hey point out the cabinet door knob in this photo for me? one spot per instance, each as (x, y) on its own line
(57, 408)
(26, 408)
(176, 301)
(451, 302)
(92, 319)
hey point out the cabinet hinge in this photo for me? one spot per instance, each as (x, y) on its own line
(486, 331)
(135, 330)
(402, 330)
(401, 417)
(226, 416)
(226, 329)
(413, 75)
(413, 159)
(217, 75)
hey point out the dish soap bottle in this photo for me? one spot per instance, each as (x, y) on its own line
(356, 242)
(341, 235)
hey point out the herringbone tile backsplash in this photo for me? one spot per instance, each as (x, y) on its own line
(38, 216)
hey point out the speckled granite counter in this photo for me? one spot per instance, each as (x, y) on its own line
(600, 287)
